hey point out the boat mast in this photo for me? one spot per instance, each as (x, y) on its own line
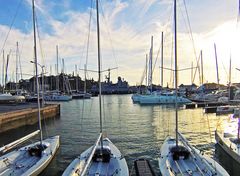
(215, 49)
(17, 51)
(36, 71)
(6, 70)
(57, 77)
(3, 66)
(99, 74)
(76, 78)
(230, 71)
(176, 81)
(162, 62)
(230, 79)
(150, 65)
(146, 71)
(201, 56)
(85, 78)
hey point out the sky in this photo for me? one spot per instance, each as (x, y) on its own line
(126, 27)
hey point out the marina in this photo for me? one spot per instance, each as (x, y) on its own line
(138, 131)
(173, 109)
(13, 116)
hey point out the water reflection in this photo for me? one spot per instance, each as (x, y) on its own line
(138, 131)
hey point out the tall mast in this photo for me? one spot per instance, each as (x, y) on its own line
(63, 76)
(176, 77)
(216, 64)
(150, 65)
(76, 78)
(6, 69)
(36, 71)
(3, 66)
(146, 70)
(162, 62)
(230, 71)
(16, 65)
(51, 77)
(230, 79)
(57, 77)
(201, 66)
(99, 74)
(20, 65)
(85, 78)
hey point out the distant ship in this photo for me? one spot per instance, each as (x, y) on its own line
(121, 87)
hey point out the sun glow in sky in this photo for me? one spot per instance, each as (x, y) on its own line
(126, 29)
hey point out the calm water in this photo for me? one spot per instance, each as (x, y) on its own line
(138, 131)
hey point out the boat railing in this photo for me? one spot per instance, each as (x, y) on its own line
(88, 162)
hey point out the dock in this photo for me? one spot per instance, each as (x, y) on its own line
(143, 168)
(14, 116)
(204, 104)
(210, 109)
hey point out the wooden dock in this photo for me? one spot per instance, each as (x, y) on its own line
(204, 104)
(143, 168)
(12, 117)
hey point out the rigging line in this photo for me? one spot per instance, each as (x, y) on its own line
(171, 74)
(195, 72)
(165, 46)
(39, 40)
(42, 55)
(108, 32)
(143, 76)
(156, 58)
(14, 17)
(89, 32)
(225, 69)
(88, 36)
(188, 20)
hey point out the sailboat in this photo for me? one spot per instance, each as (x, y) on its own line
(84, 94)
(7, 98)
(103, 158)
(229, 140)
(163, 97)
(33, 158)
(135, 97)
(57, 95)
(177, 156)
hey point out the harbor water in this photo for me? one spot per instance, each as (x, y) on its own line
(138, 131)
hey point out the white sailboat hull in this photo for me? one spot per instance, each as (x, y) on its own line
(162, 99)
(57, 97)
(20, 162)
(136, 98)
(116, 166)
(8, 98)
(194, 165)
(229, 147)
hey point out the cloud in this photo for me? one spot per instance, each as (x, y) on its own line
(126, 30)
